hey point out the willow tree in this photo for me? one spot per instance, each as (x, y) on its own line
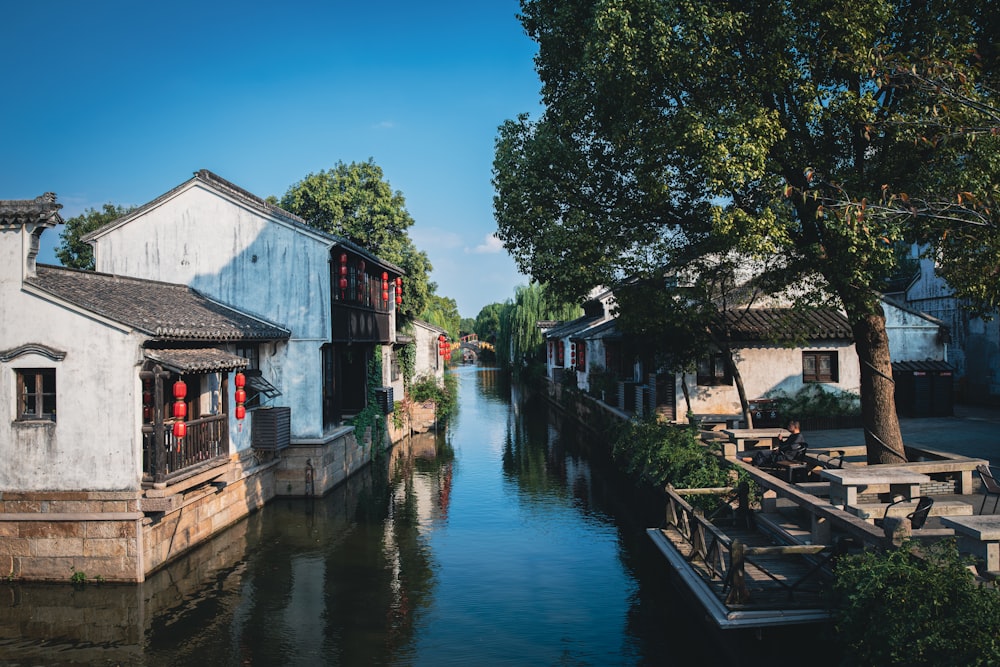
(817, 133)
(519, 340)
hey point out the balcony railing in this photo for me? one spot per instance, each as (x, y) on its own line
(165, 457)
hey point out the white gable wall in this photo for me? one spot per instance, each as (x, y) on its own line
(95, 442)
(241, 257)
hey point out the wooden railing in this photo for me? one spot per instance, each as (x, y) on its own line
(207, 439)
(725, 558)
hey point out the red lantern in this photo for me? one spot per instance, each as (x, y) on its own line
(180, 390)
(399, 290)
(147, 413)
(180, 430)
(241, 395)
(180, 410)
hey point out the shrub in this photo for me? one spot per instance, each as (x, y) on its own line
(812, 401)
(898, 608)
(661, 453)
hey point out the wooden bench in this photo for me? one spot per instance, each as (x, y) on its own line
(872, 511)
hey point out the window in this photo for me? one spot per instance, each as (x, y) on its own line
(36, 393)
(712, 370)
(819, 367)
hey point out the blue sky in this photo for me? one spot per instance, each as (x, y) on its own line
(114, 101)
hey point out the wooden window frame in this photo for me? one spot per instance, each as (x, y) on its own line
(811, 363)
(36, 394)
(713, 371)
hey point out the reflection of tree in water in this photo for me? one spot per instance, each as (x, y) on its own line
(493, 384)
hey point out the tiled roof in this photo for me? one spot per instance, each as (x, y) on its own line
(162, 310)
(604, 330)
(775, 324)
(922, 366)
(251, 200)
(197, 360)
(17, 212)
(571, 327)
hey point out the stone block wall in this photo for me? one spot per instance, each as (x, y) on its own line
(313, 469)
(50, 536)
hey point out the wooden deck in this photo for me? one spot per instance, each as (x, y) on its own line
(744, 577)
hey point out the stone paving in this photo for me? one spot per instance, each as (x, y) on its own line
(974, 431)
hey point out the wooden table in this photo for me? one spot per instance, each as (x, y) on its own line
(847, 483)
(740, 436)
(978, 535)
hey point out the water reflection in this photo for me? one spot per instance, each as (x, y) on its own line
(503, 542)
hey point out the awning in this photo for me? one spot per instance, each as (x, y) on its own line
(197, 360)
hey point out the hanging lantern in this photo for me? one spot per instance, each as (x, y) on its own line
(343, 276)
(180, 409)
(385, 287)
(240, 380)
(399, 290)
(147, 413)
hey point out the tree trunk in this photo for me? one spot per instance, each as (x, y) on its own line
(883, 439)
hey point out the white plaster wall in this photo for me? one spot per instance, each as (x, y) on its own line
(428, 363)
(95, 444)
(240, 257)
(766, 369)
(912, 337)
(229, 252)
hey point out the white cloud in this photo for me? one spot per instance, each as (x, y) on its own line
(384, 125)
(490, 246)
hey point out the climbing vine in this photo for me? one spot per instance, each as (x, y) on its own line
(408, 363)
(372, 416)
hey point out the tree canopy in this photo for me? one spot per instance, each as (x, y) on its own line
(73, 252)
(355, 201)
(820, 134)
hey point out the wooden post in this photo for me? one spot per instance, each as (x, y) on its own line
(738, 591)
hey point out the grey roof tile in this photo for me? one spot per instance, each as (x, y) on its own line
(165, 311)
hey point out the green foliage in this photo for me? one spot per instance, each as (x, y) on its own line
(354, 201)
(445, 397)
(660, 454)
(73, 252)
(897, 608)
(601, 383)
(371, 416)
(407, 357)
(488, 322)
(443, 312)
(519, 341)
(78, 578)
(676, 128)
(812, 401)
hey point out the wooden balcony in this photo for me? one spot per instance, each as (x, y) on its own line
(165, 457)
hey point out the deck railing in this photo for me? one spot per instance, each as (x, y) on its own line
(207, 439)
(725, 558)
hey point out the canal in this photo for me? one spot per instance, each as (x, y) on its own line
(507, 540)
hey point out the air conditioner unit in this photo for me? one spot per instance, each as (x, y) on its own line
(383, 395)
(272, 428)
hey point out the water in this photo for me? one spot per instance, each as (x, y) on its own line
(505, 541)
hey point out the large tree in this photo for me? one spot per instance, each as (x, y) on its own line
(818, 133)
(356, 202)
(73, 252)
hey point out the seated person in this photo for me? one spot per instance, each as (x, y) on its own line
(789, 449)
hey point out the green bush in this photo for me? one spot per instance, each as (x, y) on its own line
(446, 397)
(813, 401)
(898, 608)
(661, 454)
